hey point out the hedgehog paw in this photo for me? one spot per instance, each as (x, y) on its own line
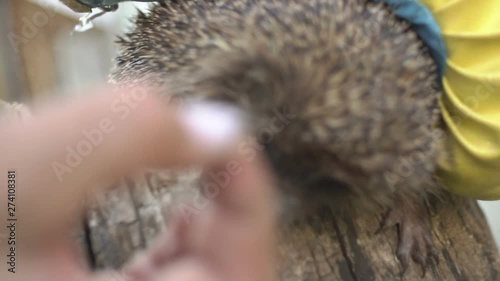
(415, 235)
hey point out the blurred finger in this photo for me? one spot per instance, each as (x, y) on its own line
(169, 246)
(69, 146)
(237, 233)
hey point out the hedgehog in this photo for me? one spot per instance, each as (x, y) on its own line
(360, 87)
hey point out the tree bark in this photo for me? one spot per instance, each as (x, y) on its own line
(325, 246)
(341, 247)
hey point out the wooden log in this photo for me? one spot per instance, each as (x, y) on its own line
(325, 246)
(330, 246)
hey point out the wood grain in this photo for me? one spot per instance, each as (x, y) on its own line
(328, 245)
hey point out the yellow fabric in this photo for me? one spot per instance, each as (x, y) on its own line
(471, 102)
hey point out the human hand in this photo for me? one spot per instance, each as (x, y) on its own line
(233, 239)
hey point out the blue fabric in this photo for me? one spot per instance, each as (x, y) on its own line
(426, 26)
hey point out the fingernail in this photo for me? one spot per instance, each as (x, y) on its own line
(215, 127)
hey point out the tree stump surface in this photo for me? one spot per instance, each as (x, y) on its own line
(325, 246)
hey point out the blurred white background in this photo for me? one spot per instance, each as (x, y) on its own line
(52, 60)
(492, 211)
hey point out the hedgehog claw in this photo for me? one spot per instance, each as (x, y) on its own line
(415, 236)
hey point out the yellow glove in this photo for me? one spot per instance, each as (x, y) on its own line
(471, 102)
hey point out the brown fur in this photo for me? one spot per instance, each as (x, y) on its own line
(361, 85)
